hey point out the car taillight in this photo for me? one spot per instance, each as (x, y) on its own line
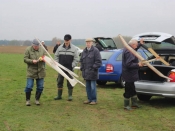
(109, 68)
(172, 76)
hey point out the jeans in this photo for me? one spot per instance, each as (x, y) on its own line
(91, 90)
(39, 84)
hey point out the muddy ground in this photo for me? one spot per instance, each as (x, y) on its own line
(18, 49)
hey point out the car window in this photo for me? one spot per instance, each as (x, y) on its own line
(119, 58)
(106, 55)
(107, 43)
(162, 45)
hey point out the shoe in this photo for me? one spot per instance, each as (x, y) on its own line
(86, 102)
(69, 98)
(128, 108)
(28, 103)
(37, 103)
(57, 98)
(92, 103)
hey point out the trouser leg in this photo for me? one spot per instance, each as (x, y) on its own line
(28, 89)
(127, 95)
(88, 90)
(39, 90)
(70, 88)
(60, 80)
(93, 91)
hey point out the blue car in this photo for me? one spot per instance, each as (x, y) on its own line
(111, 69)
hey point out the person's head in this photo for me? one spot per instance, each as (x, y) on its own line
(42, 42)
(58, 42)
(67, 39)
(89, 42)
(133, 43)
(35, 44)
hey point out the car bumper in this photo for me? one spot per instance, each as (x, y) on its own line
(108, 77)
(166, 89)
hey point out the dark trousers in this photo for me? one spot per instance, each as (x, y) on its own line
(60, 81)
(129, 90)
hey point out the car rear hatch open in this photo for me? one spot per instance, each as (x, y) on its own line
(106, 43)
(161, 43)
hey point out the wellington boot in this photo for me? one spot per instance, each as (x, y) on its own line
(28, 94)
(60, 91)
(70, 94)
(37, 97)
(126, 104)
(134, 102)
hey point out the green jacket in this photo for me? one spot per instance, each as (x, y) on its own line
(37, 70)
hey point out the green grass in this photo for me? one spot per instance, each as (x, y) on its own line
(107, 115)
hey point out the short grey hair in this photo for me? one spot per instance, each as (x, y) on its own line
(132, 41)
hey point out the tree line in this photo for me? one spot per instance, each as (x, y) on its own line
(77, 42)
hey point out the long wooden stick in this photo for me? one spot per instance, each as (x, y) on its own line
(73, 81)
(142, 59)
(64, 68)
(157, 56)
(147, 61)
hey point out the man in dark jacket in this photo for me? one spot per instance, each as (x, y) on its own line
(130, 67)
(56, 46)
(43, 43)
(98, 46)
(90, 62)
(67, 56)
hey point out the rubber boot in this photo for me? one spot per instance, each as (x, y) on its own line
(126, 104)
(70, 94)
(60, 91)
(134, 102)
(28, 94)
(37, 97)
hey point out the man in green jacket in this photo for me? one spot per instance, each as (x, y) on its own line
(35, 70)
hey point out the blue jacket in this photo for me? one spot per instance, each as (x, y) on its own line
(130, 66)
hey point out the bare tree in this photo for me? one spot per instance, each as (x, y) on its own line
(118, 41)
(54, 41)
(27, 43)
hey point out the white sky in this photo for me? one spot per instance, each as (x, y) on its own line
(45, 19)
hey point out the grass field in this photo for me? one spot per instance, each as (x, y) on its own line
(51, 115)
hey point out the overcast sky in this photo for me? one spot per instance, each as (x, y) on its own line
(45, 19)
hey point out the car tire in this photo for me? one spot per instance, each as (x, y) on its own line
(101, 82)
(122, 82)
(144, 97)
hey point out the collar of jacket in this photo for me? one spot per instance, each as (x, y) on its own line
(34, 49)
(64, 46)
(91, 49)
